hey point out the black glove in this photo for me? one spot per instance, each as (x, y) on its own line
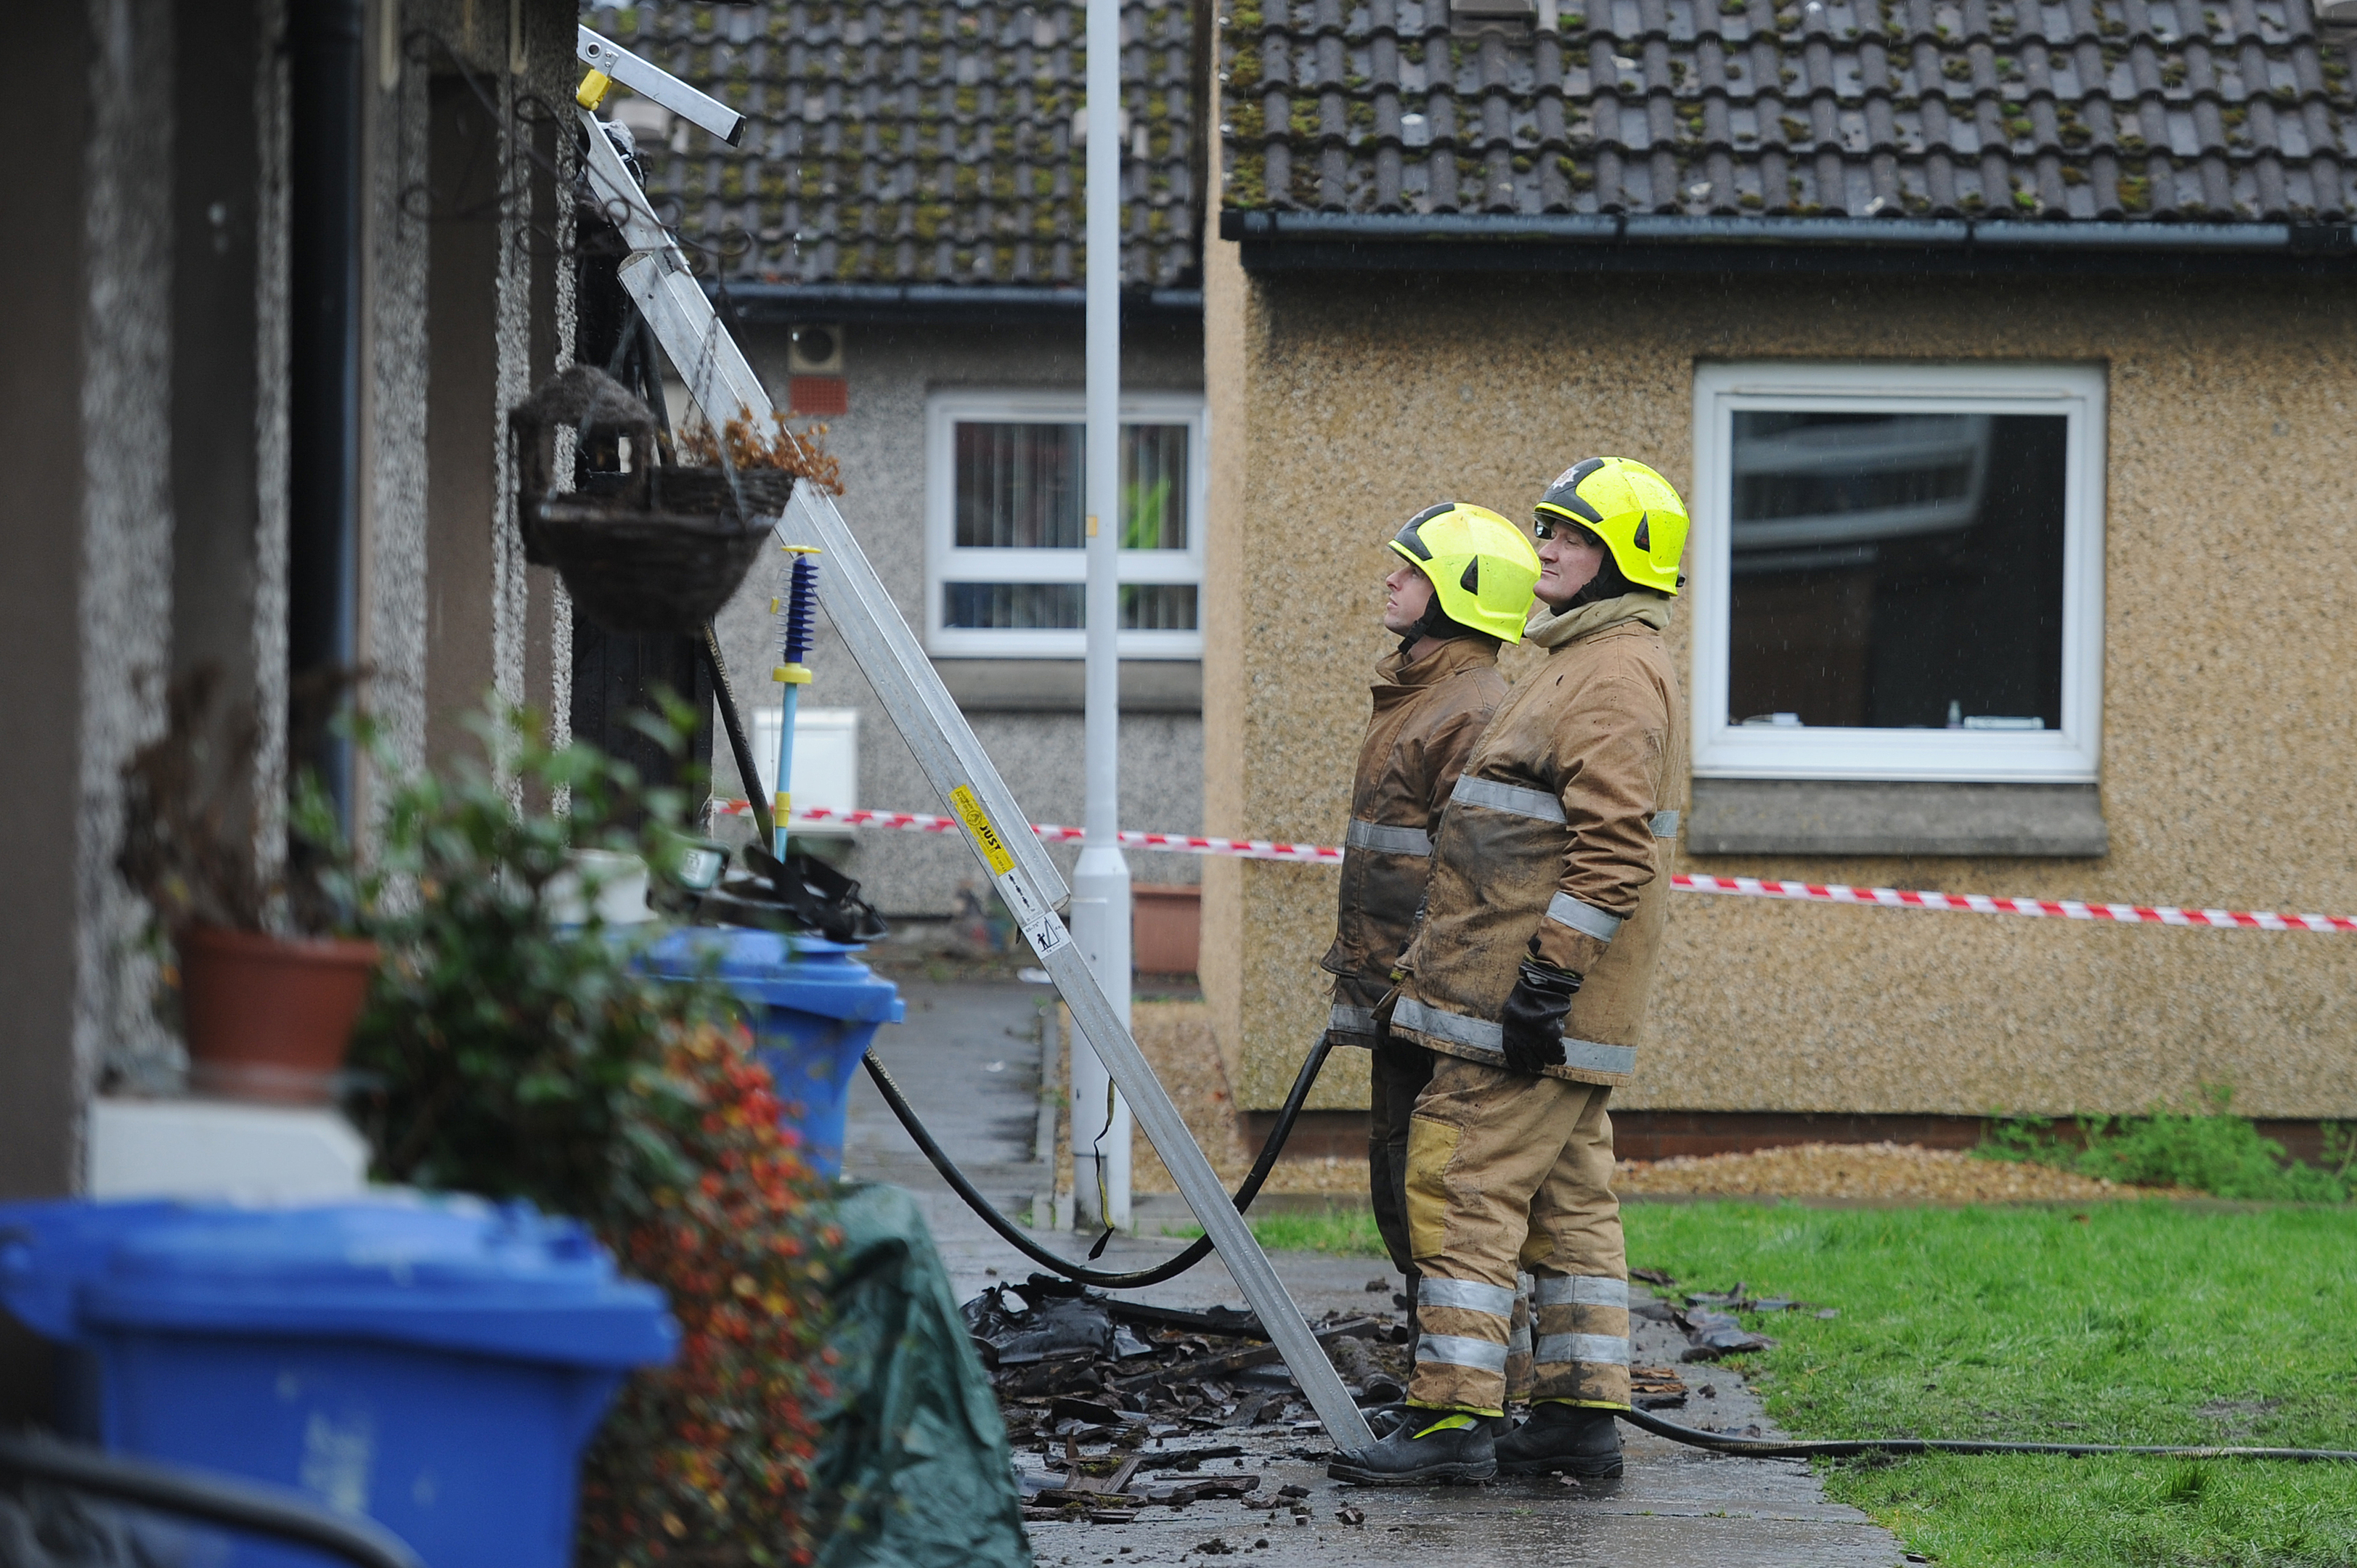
(1383, 1015)
(1532, 1017)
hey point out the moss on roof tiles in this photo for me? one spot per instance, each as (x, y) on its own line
(855, 98)
(2048, 69)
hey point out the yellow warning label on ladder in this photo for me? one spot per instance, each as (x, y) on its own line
(977, 823)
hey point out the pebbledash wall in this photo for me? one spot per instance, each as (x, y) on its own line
(147, 415)
(1341, 402)
(1027, 712)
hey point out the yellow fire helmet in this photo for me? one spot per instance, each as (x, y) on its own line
(1484, 573)
(1633, 508)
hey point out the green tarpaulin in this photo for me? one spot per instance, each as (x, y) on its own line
(913, 1467)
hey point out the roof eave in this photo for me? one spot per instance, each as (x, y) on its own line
(1327, 242)
(787, 304)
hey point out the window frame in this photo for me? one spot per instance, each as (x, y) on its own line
(946, 561)
(2070, 754)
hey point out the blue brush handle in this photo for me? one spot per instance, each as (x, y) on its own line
(796, 620)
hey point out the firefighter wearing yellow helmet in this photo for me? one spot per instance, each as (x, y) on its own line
(1461, 586)
(1480, 567)
(1526, 981)
(1632, 510)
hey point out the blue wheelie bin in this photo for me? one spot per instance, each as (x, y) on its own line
(814, 1009)
(435, 1364)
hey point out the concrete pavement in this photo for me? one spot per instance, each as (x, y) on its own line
(969, 1059)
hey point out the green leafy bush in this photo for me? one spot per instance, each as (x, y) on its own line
(2209, 1151)
(513, 1049)
(506, 1052)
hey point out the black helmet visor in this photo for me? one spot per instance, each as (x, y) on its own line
(1411, 534)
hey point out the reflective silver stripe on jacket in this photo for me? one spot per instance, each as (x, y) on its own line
(1598, 1349)
(1580, 1290)
(1455, 1027)
(1511, 798)
(1537, 803)
(1472, 1295)
(1352, 1020)
(1586, 918)
(1482, 1036)
(1387, 841)
(1459, 1350)
(1519, 1341)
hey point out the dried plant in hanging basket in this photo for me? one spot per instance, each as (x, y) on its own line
(796, 455)
(642, 546)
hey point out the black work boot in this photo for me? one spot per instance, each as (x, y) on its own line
(1431, 1448)
(1565, 1439)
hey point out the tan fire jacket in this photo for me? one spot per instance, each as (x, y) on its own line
(1427, 716)
(1559, 830)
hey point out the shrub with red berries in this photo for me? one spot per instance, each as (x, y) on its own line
(707, 1461)
(512, 1049)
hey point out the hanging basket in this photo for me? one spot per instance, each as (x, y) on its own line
(645, 549)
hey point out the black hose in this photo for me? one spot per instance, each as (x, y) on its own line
(234, 1504)
(1842, 1448)
(1692, 1436)
(738, 747)
(1193, 1254)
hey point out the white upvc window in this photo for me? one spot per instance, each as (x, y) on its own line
(1005, 566)
(1898, 572)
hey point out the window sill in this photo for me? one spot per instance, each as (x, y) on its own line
(1056, 685)
(1786, 816)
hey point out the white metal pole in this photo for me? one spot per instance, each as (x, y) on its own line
(1101, 882)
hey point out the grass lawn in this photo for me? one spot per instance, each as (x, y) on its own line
(1348, 1231)
(2124, 1322)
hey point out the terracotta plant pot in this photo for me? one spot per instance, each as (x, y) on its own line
(269, 1017)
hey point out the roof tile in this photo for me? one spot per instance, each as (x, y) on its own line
(2088, 110)
(919, 141)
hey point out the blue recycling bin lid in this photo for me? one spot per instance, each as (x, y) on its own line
(48, 1249)
(808, 974)
(452, 1272)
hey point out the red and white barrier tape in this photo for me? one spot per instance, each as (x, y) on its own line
(1690, 881)
(2037, 908)
(1181, 843)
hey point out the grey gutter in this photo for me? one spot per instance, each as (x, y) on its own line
(1918, 233)
(779, 302)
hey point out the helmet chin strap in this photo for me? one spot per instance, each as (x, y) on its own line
(1610, 583)
(1434, 623)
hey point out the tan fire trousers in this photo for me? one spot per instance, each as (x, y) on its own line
(1508, 1172)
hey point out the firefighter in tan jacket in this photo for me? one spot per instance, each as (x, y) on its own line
(1527, 978)
(1460, 588)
